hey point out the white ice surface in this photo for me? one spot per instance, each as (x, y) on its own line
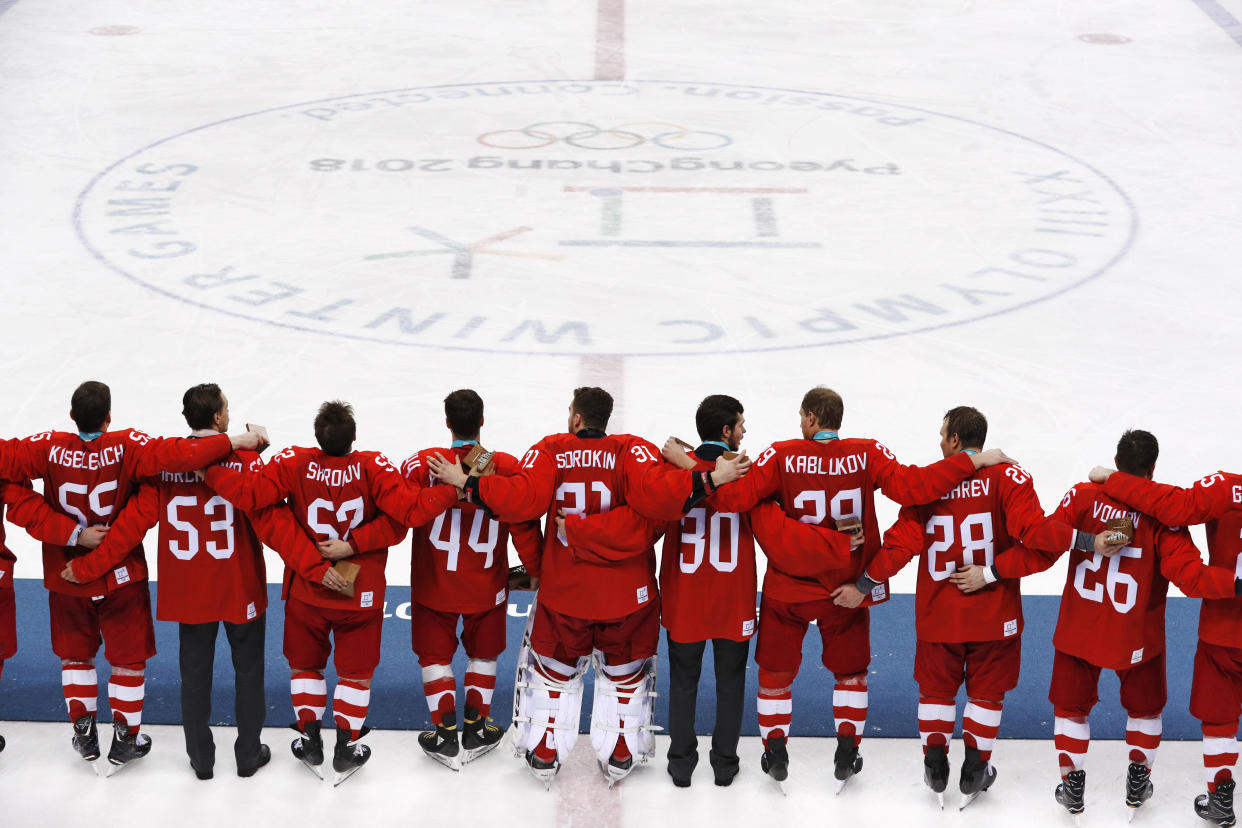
(1150, 343)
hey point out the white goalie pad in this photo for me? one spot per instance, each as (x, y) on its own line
(534, 707)
(625, 706)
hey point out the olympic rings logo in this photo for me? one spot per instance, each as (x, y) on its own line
(590, 137)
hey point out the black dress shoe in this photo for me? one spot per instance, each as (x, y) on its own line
(265, 756)
(202, 774)
(679, 781)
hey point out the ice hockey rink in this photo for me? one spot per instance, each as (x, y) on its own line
(1030, 207)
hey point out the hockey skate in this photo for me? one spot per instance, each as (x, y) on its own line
(775, 762)
(977, 777)
(619, 764)
(1138, 787)
(936, 771)
(848, 761)
(1070, 793)
(1217, 807)
(308, 747)
(349, 755)
(478, 736)
(126, 747)
(441, 744)
(544, 770)
(86, 737)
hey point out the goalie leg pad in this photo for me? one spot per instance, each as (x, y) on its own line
(624, 706)
(549, 702)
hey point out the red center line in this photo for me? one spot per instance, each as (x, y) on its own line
(569, 189)
(610, 40)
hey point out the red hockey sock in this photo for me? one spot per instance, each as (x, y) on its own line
(480, 682)
(1143, 738)
(349, 705)
(125, 695)
(775, 704)
(1220, 752)
(440, 688)
(936, 720)
(980, 724)
(849, 708)
(1071, 735)
(81, 685)
(310, 696)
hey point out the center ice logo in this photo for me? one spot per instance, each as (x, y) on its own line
(627, 218)
(618, 137)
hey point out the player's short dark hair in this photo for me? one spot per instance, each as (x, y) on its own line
(464, 410)
(714, 414)
(595, 406)
(826, 405)
(90, 405)
(1137, 451)
(201, 404)
(969, 424)
(334, 427)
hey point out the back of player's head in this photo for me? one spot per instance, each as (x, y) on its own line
(464, 411)
(334, 427)
(90, 405)
(201, 404)
(826, 405)
(714, 414)
(1137, 451)
(969, 424)
(594, 405)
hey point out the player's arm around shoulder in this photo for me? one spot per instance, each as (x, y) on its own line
(151, 455)
(403, 499)
(525, 494)
(26, 458)
(1209, 497)
(254, 487)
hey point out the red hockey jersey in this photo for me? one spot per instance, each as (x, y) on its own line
(460, 561)
(1216, 502)
(707, 574)
(90, 481)
(211, 564)
(822, 482)
(590, 473)
(1104, 596)
(329, 497)
(969, 525)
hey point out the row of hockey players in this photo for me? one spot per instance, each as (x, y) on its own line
(606, 500)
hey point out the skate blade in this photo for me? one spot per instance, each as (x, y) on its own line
(841, 783)
(341, 776)
(544, 775)
(110, 769)
(967, 799)
(613, 774)
(474, 753)
(315, 769)
(1133, 814)
(940, 799)
(453, 763)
